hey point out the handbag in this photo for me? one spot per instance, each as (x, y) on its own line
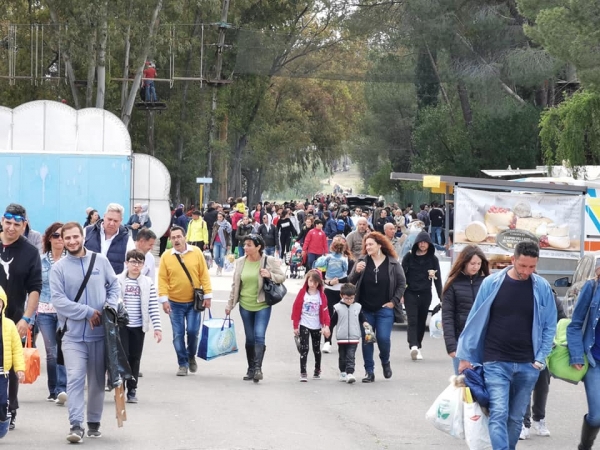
(274, 292)
(61, 331)
(32, 360)
(198, 292)
(217, 337)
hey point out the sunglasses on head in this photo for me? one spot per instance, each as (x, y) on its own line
(15, 217)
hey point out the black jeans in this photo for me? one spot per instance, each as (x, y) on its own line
(417, 308)
(347, 357)
(163, 245)
(333, 297)
(540, 397)
(315, 335)
(199, 244)
(133, 344)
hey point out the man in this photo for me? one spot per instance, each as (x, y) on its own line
(423, 215)
(436, 216)
(510, 331)
(344, 216)
(109, 237)
(210, 216)
(144, 243)
(389, 229)
(330, 228)
(21, 279)
(355, 238)
(270, 235)
(177, 296)
(138, 220)
(83, 341)
(197, 232)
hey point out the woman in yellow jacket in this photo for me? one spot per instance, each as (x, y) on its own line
(12, 358)
(197, 232)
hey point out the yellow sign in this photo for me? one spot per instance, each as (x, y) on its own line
(431, 181)
(442, 189)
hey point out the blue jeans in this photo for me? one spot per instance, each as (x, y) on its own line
(436, 234)
(180, 314)
(382, 322)
(510, 386)
(57, 374)
(310, 259)
(241, 251)
(219, 251)
(150, 94)
(592, 393)
(255, 325)
(269, 251)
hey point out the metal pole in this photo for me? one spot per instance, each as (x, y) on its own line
(201, 56)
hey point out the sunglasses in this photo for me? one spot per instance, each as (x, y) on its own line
(14, 217)
(55, 235)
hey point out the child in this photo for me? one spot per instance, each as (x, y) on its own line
(348, 316)
(141, 301)
(13, 348)
(310, 317)
(295, 260)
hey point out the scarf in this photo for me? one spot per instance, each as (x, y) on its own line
(223, 226)
(143, 216)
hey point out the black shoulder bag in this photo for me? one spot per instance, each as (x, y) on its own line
(198, 293)
(61, 331)
(274, 292)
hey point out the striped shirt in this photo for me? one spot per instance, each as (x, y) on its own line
(133, 304)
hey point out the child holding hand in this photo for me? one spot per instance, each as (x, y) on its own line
(310, 318)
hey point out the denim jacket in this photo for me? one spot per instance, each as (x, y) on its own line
(581, 343)
(472, 339)
(46, 266)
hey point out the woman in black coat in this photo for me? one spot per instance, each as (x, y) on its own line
(464, 280)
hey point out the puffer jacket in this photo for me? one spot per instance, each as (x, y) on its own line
(456, 306)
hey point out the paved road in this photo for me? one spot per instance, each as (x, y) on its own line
(214, 409)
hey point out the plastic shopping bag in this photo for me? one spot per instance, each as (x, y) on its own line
(446, 412)
(217, 338)
(435, 326)
(477, 433)
(32, 361)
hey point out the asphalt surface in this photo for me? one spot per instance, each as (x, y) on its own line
(214, 409)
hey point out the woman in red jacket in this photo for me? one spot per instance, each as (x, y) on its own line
(310, 317)
(315, 244)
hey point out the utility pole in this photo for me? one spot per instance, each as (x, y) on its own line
(223, 25)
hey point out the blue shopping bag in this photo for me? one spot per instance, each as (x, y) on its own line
(217, 337)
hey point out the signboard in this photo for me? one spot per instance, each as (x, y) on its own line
(497, 221)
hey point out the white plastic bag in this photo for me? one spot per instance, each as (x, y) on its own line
(477, 433)
(446, 413)
(436, 330)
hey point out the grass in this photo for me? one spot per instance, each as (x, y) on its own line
(347, 180)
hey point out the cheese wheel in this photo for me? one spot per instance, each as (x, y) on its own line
(558, 231)
(561, 242)
(531, 224)
(494, 220)
(476, 232)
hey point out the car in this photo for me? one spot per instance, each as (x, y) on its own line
(585, 270)
(361, 201)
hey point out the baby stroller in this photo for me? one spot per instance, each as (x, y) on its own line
(296, 268)
(208, 257)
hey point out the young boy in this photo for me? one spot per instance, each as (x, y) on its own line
(348, 316)
(141, 301)
(13, 349)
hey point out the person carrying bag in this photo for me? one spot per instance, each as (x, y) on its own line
(198, 292)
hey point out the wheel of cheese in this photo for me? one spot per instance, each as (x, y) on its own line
(561, 242)
(558, 230)
(495, 220)
(476, 232)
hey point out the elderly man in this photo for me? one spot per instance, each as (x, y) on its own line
(355, 238)
(389, 229)
(144, 243)
(138, 220)
(109, 238)
(182, 270)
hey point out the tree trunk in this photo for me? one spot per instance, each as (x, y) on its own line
(101, 65)
(89, 91)
(235, 180)
(465, 104)
(126, 111)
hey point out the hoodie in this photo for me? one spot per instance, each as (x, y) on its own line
(181, 219)
(299, 302)
(66, 277)
(417, 268)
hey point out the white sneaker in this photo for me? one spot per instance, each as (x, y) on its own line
(350, 378)
(414, 351)
(343, 377)
(61, 399)
(540, 428)
(419, 356)
(326, 348)
(524, 433)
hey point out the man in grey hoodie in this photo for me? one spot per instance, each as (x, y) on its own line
(83, 341)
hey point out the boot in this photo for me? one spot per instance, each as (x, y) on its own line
(4, 427)
(259, 354)
(250, 357)
(588, 435)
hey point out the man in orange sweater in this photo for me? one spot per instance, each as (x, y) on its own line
(176, 292)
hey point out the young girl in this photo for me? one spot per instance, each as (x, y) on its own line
(311, 317)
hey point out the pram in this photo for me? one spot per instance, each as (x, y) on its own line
(293, 259)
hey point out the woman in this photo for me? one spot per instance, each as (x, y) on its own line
(460, 290)
(421, 267)
(308, 225)
(247, 290)
(286, 231)
(220, 241)
(92, 218)
(380, 284)
(582, 342)
(47, 321)
(244, 230)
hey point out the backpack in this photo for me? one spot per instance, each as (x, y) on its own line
(341, 225)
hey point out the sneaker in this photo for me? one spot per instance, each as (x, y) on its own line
(219, 271)
(540, 428)
(61, 399)
(524, 433)
(327, 347)
(51, 398)
(303, 377)
(350, 378)
(94, 430)
(193, 364)
(317, 374)
(131, 397)
(75, 435)
(343, 377)
(140, 375)
(182, 371)
(414, 350)
(419, 356)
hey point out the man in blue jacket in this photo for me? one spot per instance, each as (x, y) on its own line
(510, 331)
(330, 227)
